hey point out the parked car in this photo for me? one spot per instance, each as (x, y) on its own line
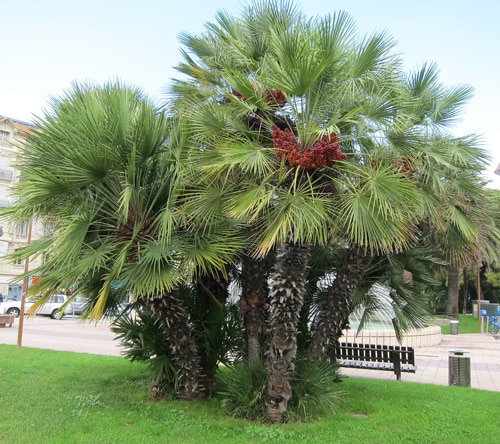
(50, 308)
(78, 304)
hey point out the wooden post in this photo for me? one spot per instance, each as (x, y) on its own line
(25, 290)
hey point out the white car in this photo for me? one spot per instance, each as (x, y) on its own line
(50, 308)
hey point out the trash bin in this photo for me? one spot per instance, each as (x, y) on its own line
(454, 327)
(459, 368)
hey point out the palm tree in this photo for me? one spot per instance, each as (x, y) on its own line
(458, 214)
(442, 169)
(104, 167)
(461, 249)
(292, 116)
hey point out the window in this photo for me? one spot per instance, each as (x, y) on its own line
(18, 261)
(4, 135)
(4, 192)
(22, 229)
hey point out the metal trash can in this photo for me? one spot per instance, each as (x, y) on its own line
(459, 368)
(454, 327)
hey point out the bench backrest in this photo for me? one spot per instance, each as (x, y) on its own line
(375, 353)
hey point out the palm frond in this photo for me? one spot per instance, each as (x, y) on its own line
(379, 211)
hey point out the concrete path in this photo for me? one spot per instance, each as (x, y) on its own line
(70, 334)
(433, 362)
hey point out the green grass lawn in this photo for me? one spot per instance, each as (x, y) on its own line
(466, 324)
(62, 397)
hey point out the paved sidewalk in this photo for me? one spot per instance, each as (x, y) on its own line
(433, 362)
(70, 334)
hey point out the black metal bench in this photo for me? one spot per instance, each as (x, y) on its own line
(377, 357)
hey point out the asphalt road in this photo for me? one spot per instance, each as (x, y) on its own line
(67, 334)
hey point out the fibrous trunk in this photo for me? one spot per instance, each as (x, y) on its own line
(212, 293)
(176, 324)
(336, 308)
(254, 293)
(287, 287)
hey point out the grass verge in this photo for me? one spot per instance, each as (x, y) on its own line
(466, 324)
(62, 397)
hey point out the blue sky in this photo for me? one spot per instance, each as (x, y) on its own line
(48, 44)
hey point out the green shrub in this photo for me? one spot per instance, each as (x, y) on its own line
(315, 390)
(144, 341)
(242, 388)
(218, 339)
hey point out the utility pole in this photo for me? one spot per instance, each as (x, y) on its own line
(25, 290)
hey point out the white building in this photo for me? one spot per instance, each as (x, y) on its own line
(13, 134)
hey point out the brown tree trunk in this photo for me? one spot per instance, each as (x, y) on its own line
(452, 306)
(336, 308)
(465, 290)
(212, 292)
(176, 324)
(254, 293)
(286, 297)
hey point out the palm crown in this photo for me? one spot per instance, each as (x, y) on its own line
(326, 135)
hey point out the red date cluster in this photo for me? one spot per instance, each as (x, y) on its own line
(324, 152)
(273, 97)
(237, 95)
(405, 166)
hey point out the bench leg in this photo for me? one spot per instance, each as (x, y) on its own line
(397, 365)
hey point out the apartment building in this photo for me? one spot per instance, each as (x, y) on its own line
(13, 134)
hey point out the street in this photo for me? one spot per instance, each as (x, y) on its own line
(67, 334)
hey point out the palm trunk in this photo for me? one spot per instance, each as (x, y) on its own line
(465, 290)
(452, 306)
(337, 306)
(286, 297)
(176, 324)
(254, 293)
(212, 294)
